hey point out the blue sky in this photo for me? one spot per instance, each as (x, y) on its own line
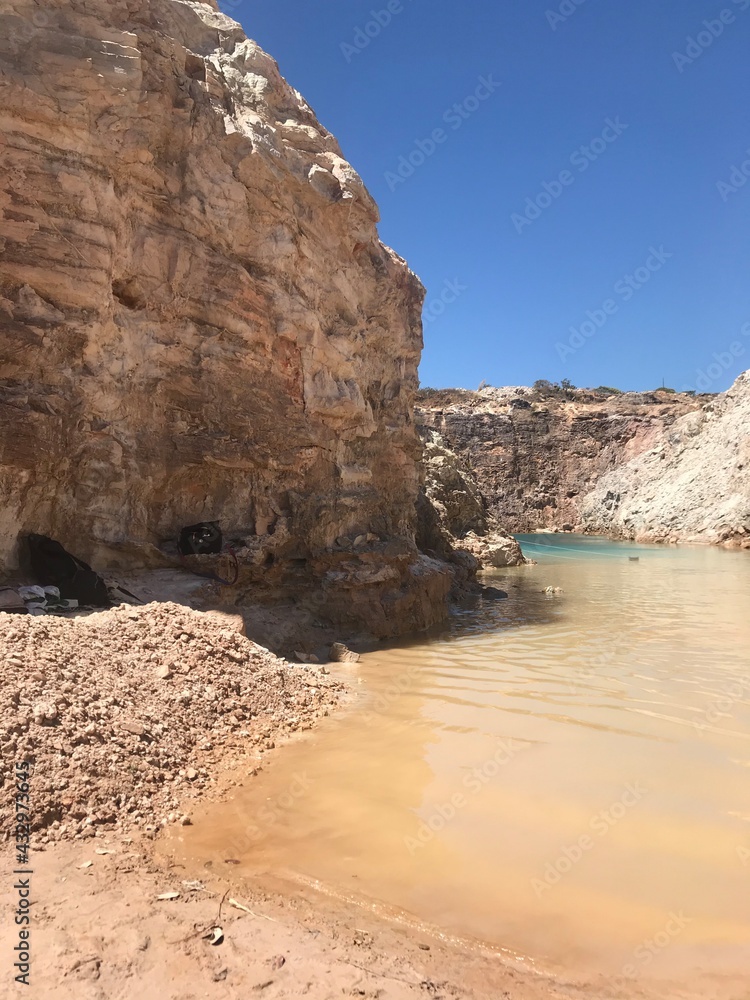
(631, 265)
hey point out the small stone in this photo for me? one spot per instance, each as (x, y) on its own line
(44, 712)
(133, 727)
(163, 672)
(342, 654)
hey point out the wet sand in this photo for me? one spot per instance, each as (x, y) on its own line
(100, 933)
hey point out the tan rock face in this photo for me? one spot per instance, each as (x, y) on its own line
(454, 513)
(197, 318)
(694, 486)
(536, 456)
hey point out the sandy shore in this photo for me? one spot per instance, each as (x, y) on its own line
(120, 755)
(99, 932)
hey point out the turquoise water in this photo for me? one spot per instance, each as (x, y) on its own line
(555, 547)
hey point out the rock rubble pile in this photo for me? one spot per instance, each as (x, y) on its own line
(120, 711)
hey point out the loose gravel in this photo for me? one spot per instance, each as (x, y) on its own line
(120, 712)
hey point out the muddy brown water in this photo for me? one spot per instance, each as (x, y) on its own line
(565, 776)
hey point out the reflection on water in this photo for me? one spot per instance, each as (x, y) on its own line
(564, 775)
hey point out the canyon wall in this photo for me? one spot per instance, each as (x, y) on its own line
(454, 515)
(536, 455)
(694, 486)
(198, 320)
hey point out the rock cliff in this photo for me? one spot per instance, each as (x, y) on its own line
(694, 486)
(454, 511)
(537, 455)
(198, 320)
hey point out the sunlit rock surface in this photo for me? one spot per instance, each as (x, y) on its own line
(535, 456)
(694, 486)
(198, 320)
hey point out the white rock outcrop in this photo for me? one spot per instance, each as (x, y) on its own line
(694, 487)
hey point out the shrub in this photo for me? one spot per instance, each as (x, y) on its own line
(544, 385)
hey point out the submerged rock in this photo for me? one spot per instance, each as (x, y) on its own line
(342, 654)
(494, 593)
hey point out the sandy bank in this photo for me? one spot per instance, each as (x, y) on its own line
(98, 704)
(100, 932)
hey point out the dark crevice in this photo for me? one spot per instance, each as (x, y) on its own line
(127, 293)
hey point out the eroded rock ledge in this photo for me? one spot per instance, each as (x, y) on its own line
(660, 466)
(198, 320)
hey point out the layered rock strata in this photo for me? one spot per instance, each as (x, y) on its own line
(535, 456)
(198, 320)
